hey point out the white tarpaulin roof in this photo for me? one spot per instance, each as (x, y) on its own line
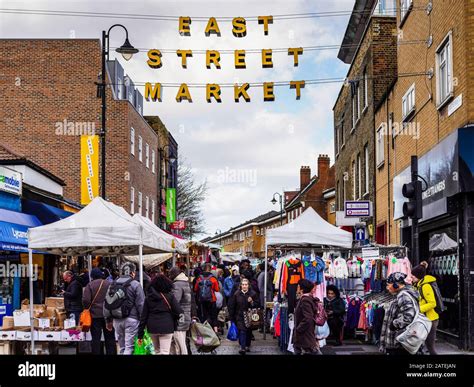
(309, 229)
(231, 257)
(441, 242)
(161, 238)
(151, 260)
(99, 228)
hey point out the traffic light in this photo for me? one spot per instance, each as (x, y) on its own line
(414, 207)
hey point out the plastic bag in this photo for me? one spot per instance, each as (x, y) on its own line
(147, 346)
(204, 337)
(233, 333)
(322, 332)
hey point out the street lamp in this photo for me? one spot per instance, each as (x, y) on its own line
(172, 160)
(127, 51)
(274, 201)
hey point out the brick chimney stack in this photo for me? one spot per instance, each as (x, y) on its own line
(323, 166)
(305, 176)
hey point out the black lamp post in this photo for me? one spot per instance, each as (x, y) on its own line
(274, 201)
(160, 185)
(127, 51)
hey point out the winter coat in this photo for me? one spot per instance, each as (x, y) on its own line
(238, 304)
(427, 297)
(228, 286)
(73, 296)
(215, 285)
(337, 306)
(236, 282)
(136, 295)
(159, 316)
(305, 324)
(401, 313)
(90, 291)
(261, 288)
(182, 292)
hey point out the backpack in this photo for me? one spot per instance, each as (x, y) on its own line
(117, 304)
(440, 307)
(205, 289)
(228, 286)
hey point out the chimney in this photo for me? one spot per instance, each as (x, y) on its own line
(305, 176)
(323, 166)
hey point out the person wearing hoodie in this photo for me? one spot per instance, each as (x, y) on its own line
(423, 283)
(400, 314)
(304, 339)
(72, 295)
(93, 299)
(183, 294)
(161, 315)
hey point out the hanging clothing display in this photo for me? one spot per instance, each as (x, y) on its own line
(353, 312)
(338, 268)
(293, 271)
(400, 265)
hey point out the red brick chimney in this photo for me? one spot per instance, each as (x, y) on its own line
(305, 176)
(323, 167)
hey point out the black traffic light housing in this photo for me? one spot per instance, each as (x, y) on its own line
(413, 209)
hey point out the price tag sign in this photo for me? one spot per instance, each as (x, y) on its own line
(44, 323)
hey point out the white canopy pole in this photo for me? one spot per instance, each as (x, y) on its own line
(89, 264)
(264, 306)
(32, 317)
(140, 253)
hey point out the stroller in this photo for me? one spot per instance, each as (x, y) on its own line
(204, 337)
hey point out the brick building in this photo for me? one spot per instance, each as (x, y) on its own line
(369, 46)
(430, 115)
(57, 91)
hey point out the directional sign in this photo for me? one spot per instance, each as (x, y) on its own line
(358, 208)
(360, 234)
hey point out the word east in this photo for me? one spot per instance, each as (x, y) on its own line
(213, 92)
(239, 26)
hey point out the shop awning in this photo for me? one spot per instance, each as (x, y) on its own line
(14, 230)
(46, 213)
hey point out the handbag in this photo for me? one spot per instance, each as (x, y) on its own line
(85, 319)
(321, 315)
(416, 333)
(253, 318)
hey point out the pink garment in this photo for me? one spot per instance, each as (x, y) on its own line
(400, 265)
(320, 290)
(363, 324)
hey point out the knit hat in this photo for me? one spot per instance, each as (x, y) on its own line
(96, 273)
(174, 272)
(420, 270)
(397, 277)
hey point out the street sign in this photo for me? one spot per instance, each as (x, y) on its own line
(170, 205)
(370, 252)
(360, 234)
(178, 225)
(361, 208)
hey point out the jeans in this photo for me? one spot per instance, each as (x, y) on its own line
(162, 343)
(97, 328)
(430, 340)
(245, 338)
(127, 330)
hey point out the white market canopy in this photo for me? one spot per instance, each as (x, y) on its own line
(161, 238)
(101, 228)
(309, 229)
(231, 257)
(441, 242)
(150, 261)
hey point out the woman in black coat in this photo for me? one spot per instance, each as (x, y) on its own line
(160, 315)
(335, 309)
(304, 338)
(240, 302)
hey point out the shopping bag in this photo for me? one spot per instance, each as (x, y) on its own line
(233, 334)
(322, 332)
(147, 346)
(204, 337)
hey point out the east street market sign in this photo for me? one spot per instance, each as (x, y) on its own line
(154, 90)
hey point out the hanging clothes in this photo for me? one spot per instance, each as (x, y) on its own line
(353, 312)
(402, 265)
(310, 268)
(340, 268)
(363, 321)
(293, 271)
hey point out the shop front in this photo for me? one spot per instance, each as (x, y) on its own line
(446, 238)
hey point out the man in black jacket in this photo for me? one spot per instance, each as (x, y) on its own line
(72, 295)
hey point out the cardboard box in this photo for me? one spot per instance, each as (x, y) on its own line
(67, 336)
(25, 335)
(55, 302)
(60, 317)
(49, 336)
(38, 310)
(7, 335)
(8, 323)
(44, 322)
(21, 318)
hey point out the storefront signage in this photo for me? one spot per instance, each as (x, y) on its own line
(89, 168)
(153, 90)
(455, 105)
(170, 205)
(178, 225)
(10, 181)
(358, 208)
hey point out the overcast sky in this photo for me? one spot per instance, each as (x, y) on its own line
(246, 151)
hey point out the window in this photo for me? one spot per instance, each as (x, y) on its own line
(359, 177)
(366, 89)
(242, 236)
(147, 155)
(140, 203)
(140, 148)
(358, 101)
(153, 161)
(381, 234)
(132, 141)
(343, 140)
(355, 105)
(444, 71)
(132, 200)
(366, 157)
(336, 140)
(354, 181)
(385, 8)
(249, 233)
(380, 152)
(147, 206)
(405, 7)
(262, 231)
(408, 102)
(235, 237)
(153, 209)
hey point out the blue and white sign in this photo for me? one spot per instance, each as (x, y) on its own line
(360, 234)
(359, 208)
(10, 181)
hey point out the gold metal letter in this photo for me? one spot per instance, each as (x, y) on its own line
(184, 25)
(213, 90)
(212, 27)
(240, 28)
(239, 56)
(298, 85)
(241, 91)
(267, 59)
(153, 92)
(214, 57)
(265, 20)
(154, 59)
(183, 93)
(184, 54)
(295, 52)
(268, 91)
